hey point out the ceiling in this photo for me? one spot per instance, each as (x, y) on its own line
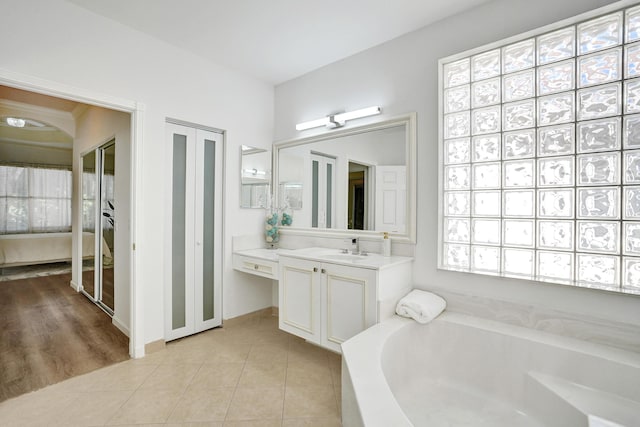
(43, 135)
(276, 40)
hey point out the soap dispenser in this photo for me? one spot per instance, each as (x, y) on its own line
(386, 244)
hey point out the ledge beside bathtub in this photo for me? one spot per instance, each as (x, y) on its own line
(362, 373)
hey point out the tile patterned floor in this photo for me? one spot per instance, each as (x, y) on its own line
(247, 374)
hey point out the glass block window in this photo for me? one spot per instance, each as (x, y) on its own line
(540, 142)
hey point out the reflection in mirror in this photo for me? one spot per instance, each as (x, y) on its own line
(89, 191)
(108, 154)
(351, 179)
(255, 177)
(358, 204)
(98, 225)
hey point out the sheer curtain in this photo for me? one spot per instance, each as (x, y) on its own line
(88, 201)
(34, 200)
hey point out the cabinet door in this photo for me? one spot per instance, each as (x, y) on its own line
(348, 303)
(299, 298)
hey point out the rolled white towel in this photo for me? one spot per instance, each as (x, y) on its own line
(422, 306)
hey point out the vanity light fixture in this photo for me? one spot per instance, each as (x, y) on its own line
(338, 120)
(313, 124)
(254, 172)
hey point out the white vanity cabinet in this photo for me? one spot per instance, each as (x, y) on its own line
(327, 303)
(348, 302)
(299, 298)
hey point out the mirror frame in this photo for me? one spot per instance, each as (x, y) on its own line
(409, 121)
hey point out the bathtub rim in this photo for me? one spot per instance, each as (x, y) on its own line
(362, 356)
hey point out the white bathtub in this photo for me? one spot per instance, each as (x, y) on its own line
(466, 371)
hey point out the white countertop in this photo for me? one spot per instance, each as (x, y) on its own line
(261, 253)
(335, 256)
(332, 255)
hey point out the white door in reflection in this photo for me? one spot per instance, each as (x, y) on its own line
(323, 198)
(391, 193)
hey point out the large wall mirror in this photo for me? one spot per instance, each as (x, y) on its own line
(255, 177)
(359, 180)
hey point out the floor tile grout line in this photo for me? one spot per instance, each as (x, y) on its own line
(132, 394)
(233, 394)
(235, 388)
(184, 391)
(286, 375)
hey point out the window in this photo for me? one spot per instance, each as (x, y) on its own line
(540, 149)
(34, 200)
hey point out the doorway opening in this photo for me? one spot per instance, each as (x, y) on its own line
(55, 223)
(358, 197)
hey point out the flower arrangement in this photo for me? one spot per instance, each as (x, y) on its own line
(271, 229)
(275, 218)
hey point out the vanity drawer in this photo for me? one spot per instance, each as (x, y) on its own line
(257, 266)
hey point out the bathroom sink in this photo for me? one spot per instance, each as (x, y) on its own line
(336, 256)
(345, 257)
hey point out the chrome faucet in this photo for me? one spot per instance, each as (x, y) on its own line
(355, 246)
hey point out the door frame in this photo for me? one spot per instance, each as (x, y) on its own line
(136, 110)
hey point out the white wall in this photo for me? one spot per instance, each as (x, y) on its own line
(32, 154)
(402, 76)
(95, 127)
(65, 44)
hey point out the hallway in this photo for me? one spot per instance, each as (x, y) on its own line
(49, 333)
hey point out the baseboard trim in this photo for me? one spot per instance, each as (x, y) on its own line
(136, 352)
(75, 286)
(154, 346)
(121, 326)
(264, 312)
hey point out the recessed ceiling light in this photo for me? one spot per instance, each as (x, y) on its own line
(16, 123)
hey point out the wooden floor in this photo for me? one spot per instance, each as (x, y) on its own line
(49, 332)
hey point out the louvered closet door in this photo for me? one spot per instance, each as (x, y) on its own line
(193, 266)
